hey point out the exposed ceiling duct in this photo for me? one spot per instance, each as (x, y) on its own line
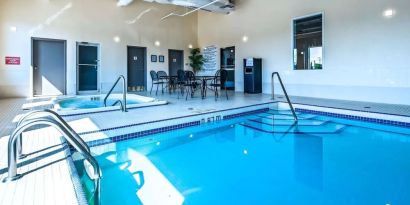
(219, 6)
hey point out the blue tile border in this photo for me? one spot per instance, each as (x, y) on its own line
(144, 133)
(227, 117)
(75, 178)
(354, 117)
(175, 118)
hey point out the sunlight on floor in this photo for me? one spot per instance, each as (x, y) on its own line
(156, 188)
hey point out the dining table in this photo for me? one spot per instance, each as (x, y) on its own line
(203, 78)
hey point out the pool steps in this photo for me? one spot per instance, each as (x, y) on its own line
(280, 122)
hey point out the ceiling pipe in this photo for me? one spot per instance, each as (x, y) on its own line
(189, 12)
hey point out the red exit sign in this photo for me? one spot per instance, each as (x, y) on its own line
(12, 60)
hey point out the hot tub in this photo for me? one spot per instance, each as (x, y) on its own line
(95, 103)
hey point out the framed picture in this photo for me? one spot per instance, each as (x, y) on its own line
(153, 58)
(161, 59)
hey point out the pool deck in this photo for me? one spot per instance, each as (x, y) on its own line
(47, 178)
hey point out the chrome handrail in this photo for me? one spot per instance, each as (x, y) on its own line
(295, 117)
(124, 93)
(55, 116)
(12, 151)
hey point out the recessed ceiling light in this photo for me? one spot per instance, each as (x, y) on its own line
(117, 39)
(245, 39)
(157, 43)
(13, 29)
(388, 13)
(190, 46)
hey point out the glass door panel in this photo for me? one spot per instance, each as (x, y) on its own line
(87, 68)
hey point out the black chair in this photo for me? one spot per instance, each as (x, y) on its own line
(155, 80)
(219, 82)
(163, 76)
(180, 82)
(191, 83)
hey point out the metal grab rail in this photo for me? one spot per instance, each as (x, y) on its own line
(286, 94)
(124, 93)
(12, 151)
(55, 116)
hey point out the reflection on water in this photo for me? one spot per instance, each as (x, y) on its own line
(308, 160)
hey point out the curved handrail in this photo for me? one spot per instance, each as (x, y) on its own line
(124, 93)
(55, 116)
(12, 152)
(120, 102)
(295, 117)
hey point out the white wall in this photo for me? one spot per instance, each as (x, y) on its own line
(365, 54)
(94, 21)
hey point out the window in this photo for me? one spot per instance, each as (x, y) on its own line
(308, 43)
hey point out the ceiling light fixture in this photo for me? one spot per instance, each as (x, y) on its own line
(13, 29)
(116, 39)
(388, 13)
(190, 46)
(157, 43)
(245, 39)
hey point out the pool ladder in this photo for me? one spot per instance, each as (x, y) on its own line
(51, 118)
(295, 117)
(122, 103)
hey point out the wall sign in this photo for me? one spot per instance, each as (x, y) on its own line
(154, 58)
(161, 58)
(210, 54)
(12, 60)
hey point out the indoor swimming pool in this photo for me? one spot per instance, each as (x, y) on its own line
(263, 158)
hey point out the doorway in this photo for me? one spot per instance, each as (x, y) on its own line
(49, 67)
(228, 63)
(136, 68)
(88, 62)
(175, 61)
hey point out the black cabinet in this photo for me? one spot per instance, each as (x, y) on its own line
(252, 75)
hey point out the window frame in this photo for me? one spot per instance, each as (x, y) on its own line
(293, 39)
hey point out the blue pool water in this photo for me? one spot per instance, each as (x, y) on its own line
(320, 161)
(85, 103)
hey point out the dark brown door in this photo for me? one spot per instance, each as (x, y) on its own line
(137, 69)
(175, 61)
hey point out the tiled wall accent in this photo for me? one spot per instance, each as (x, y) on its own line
(354, 117)
(75, 178)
